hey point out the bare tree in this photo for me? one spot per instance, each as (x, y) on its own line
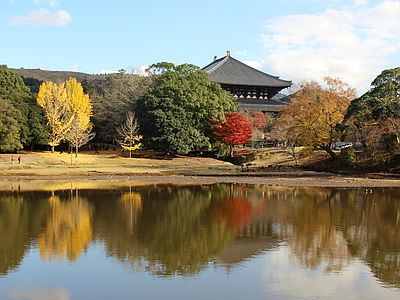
(128, 133)
(79, 134)
(118, 96)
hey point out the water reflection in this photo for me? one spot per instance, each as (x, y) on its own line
(169, 230)
(68, 229)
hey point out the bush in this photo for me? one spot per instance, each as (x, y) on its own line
(347, 156)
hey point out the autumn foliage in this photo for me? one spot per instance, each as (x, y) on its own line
(258, 119)
(235, 131)
(235, 212)
(312, 117)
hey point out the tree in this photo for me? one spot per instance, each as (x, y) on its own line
(377, 111)
(33, 83)
(88, 88)
(9, 129)
(80, 109)
(129, 133)
(38, 132)
(173, 115)
(18, 103)
(53, 99)
(118, 96)
(259, 124)
(235, 130)
(315, 111)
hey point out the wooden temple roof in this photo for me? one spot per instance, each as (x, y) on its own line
(242, 80)
(268, 105)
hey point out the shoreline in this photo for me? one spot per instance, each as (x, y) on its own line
(325, 180)
(109, 167)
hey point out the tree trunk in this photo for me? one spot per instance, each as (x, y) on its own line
(329, 151)
(294, 155)
(231, 151)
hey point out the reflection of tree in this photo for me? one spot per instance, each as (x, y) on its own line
(117, 212)
(20, 223)
(170, 230)
(132, 206)
(68, 230)
(373, 231)
(176, 232)
(309, 223)
(328, 227)
(235, 212)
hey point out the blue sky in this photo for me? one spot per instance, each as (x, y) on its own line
(294, 39)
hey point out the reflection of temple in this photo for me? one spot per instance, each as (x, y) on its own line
(251, 240)
(254, 89)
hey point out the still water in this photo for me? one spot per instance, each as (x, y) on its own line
(216, 241)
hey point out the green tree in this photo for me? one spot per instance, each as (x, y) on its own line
(173, 115)
(89, 88)
(377, 111)
(9, 128)
(33, 83)
(18, 104)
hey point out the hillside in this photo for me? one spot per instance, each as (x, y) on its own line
(59, 76)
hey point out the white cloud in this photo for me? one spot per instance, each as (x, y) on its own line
(360, 2)
(242, 53)
(50, 2)
(36, 294)
(140, 70)
(349, 43)
(285, 280)
(42, 17)
(107, 72)
(75, 67)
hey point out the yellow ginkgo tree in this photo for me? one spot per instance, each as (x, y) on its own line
(81, 109)
(68, 111)
(129, 138)
(54, 101)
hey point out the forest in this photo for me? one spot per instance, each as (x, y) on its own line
(177, 110)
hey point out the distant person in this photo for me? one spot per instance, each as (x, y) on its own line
(19, 159)
(12, 159)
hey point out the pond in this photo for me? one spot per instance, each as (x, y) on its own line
(220, 241)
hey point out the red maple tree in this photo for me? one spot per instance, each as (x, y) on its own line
(258, 119)
(235, 131)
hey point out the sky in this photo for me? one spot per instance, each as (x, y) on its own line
(296, 40)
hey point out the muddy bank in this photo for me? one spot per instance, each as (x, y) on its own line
(300, 179)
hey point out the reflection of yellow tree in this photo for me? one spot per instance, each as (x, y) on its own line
(68, 230)
(132, 204)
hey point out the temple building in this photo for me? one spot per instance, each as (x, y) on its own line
(254, 89)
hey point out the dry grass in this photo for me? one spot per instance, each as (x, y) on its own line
(112, 169)
(106, 163)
